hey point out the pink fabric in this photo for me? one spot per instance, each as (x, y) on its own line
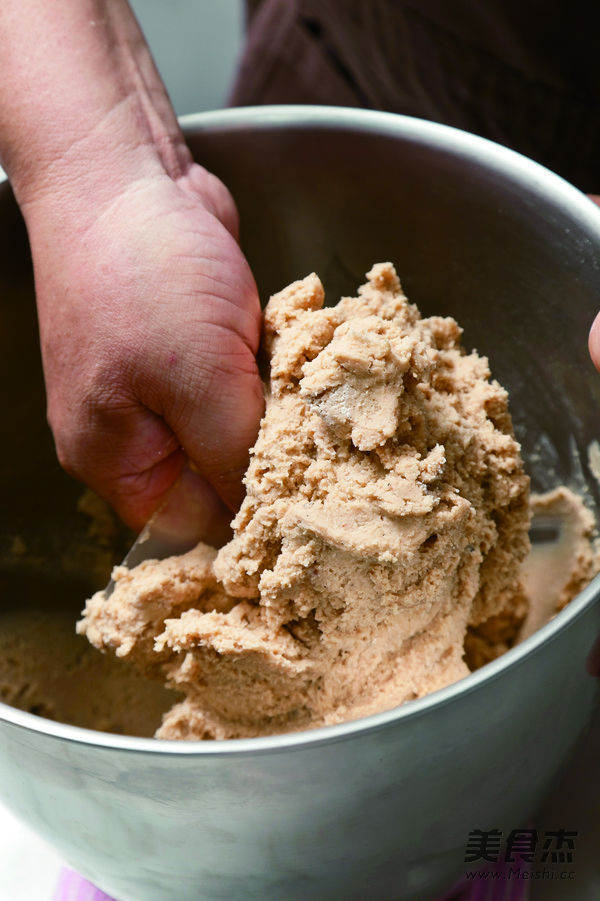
(492, 885)
(72, 887)
(491, 68)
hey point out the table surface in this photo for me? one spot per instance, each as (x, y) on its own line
(29, 868)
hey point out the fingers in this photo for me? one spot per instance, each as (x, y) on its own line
(218, 432)
(131, 442)
(150, 321)
(594, 342)
(132, 459)
(192, 512)
(594, 339)
(125, 453)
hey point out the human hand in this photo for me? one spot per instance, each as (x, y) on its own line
(594, 341)
(149, 323)
(149, 315)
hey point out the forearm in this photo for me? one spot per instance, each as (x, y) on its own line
(81, 100)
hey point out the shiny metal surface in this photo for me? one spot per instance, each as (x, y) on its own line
(378, 809)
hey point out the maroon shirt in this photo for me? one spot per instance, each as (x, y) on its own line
(524, 73)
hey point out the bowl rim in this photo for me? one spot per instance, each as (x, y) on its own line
(494, 157)
(483, 151)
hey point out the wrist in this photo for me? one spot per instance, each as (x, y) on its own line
(88, 176)
(98, 118)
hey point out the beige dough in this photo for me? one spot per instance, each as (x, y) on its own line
(564, 558)
(48, 670)
(386, 514)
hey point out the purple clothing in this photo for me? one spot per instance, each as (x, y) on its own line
(524, 73)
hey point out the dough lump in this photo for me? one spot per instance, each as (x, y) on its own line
(387, 512)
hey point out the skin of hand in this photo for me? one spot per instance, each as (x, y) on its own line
(149, 314)
(594, 347)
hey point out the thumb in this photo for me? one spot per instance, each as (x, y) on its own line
(192, 512)
(217, 437)
(594, 342)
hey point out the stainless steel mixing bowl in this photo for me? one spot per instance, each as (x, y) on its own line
(382, 808)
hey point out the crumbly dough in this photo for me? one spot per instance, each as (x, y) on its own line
(565, 555)
(387, 512)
